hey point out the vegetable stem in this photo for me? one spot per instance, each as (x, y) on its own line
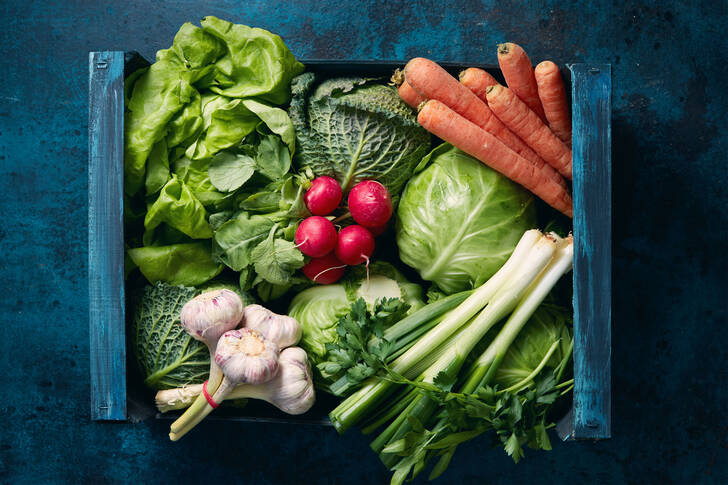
(528, 258)
(213, 381)
(407, 396)
(536, 293)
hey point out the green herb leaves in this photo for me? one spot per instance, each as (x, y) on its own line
(361, 350)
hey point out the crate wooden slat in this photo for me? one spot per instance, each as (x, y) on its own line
(106, 235)
(591, 89)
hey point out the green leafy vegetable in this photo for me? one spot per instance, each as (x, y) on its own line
(158, 95)
(273, 158)
(361, 349)
(233, 61)
(276, 120)
(229, 171)
(276, 259)
(354, 129)
(179, 264)
(235, 240)
(458, 220)
(167, 356)
(158, 170)
(178, 207)
(195, 175)
(246, 70)
(225, 122)
(207, 142)
(550, 323)
(318, 309)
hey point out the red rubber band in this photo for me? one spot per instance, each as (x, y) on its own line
(210, 401)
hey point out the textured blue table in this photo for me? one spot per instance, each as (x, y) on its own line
(670, 218)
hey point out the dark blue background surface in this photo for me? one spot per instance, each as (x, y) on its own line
(670, 100)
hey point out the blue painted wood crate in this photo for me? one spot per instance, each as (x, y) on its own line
(590, 415)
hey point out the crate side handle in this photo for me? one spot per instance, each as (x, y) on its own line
(591, 90)
(106, 235)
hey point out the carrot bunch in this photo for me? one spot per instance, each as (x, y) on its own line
(523, 130)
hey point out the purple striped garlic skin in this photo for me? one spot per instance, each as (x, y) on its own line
(285, 331)
(208, 315)
(246, 356)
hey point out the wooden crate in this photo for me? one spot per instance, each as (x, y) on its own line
(590, 415)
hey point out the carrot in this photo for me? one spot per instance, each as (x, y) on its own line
(552, 93)
(524, 122)
(408, 95)
(433, 82)
(518, 71)
(477, 80)
(446, 124)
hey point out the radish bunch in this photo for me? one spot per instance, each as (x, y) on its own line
(370, 205)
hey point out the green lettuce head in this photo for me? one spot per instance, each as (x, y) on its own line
(318, 308)
(458, 220)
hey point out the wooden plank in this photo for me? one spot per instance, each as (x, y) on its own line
(592, 190)
(106, 235)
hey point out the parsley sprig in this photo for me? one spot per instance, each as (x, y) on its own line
(361, 350)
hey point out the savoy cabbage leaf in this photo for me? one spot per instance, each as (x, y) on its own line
(167, 356)
(354, 129)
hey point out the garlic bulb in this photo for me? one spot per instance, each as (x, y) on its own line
(208, 315)
(291, 390)
(246, 356)
(281, 329)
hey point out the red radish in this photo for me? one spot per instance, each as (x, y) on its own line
(323, 196)
(316, 236)
(379, 230)
(324, 270)
(355, 245)
(370, 204)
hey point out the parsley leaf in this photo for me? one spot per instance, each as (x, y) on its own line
(361, 351)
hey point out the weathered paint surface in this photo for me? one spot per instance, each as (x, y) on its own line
(669, 237)
(105, 236)
(591, 90)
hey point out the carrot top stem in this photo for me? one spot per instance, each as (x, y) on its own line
(397, 77)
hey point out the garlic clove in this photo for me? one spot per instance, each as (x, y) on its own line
(208, 315)
(246, 356)
(282, 329)
(294, 390)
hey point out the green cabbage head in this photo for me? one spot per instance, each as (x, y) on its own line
(318, 308)
(458, 220)
(550, 323)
